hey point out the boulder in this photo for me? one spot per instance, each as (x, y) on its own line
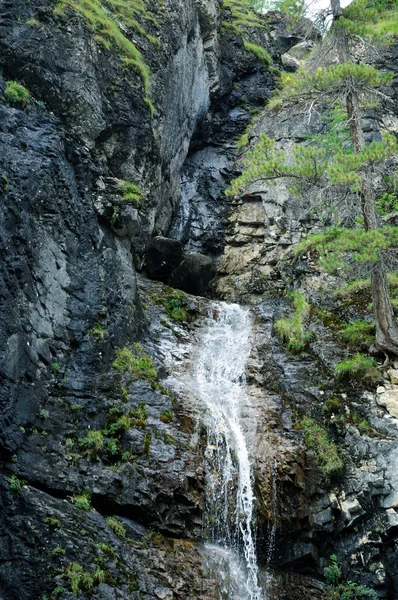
(162, 256)
(194, 274)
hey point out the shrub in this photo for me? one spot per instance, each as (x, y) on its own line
(117, 527)
(16, 93)
(325, 451)
(357, 367)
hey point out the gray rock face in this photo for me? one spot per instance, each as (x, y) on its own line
(194, 274)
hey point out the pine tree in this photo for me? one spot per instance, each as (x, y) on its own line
(353, 86)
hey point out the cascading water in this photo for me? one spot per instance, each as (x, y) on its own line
(219, 377)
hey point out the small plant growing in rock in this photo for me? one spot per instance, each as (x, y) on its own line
(81, 580)
(357, 367)
(325, 451)
(93, 442)
(166, 416)
(135, 361)
(98, 331)
(55, 367)
(117, 527)
(131, 194)
(291, 330)
(347, 590)
(82, 501)
(16, 484)
(15, 93)
(52, 522)
(139, 415)
(147, 444)
(358, 334)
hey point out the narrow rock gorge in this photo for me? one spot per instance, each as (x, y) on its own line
(152, 443)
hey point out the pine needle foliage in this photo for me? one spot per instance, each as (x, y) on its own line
(334, 81)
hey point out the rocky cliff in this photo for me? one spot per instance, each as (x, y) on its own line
(118, 131)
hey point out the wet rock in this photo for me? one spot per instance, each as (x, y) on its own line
(194, 274)
(162, 257)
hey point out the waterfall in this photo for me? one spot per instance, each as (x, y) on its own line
(219, 377)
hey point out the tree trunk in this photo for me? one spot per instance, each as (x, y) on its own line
(386, 328)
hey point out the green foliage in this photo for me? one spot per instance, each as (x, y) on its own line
(139, 415)
(175, 309)
(108, 19)
(291, 329)
(15, 93)
(135, 361)
(56, 367)
(32, 22)
(357, 367)
(373, 20)
(131, 194)
(123, 423)
(16, 484)
(325, 451)
(335, 244)
(80, 580)
(98, 331)
(147, 444)
(332, 572)
(311, 165)
(243, 16)
(345, 590)
(52, 522)
(117, 527)
(93, 442)
(387, 203)
(259, 52)
(358, 334)
(82, 501)
(334, 80)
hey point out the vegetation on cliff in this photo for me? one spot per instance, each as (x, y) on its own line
(350, 175)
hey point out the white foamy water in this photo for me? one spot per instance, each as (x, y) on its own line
(218, 373)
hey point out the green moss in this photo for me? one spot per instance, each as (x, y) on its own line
(117, 527)
(104, 18)
(325, 451)
(259, 52)
(357, 367)
(135, 361)
(15, 93)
